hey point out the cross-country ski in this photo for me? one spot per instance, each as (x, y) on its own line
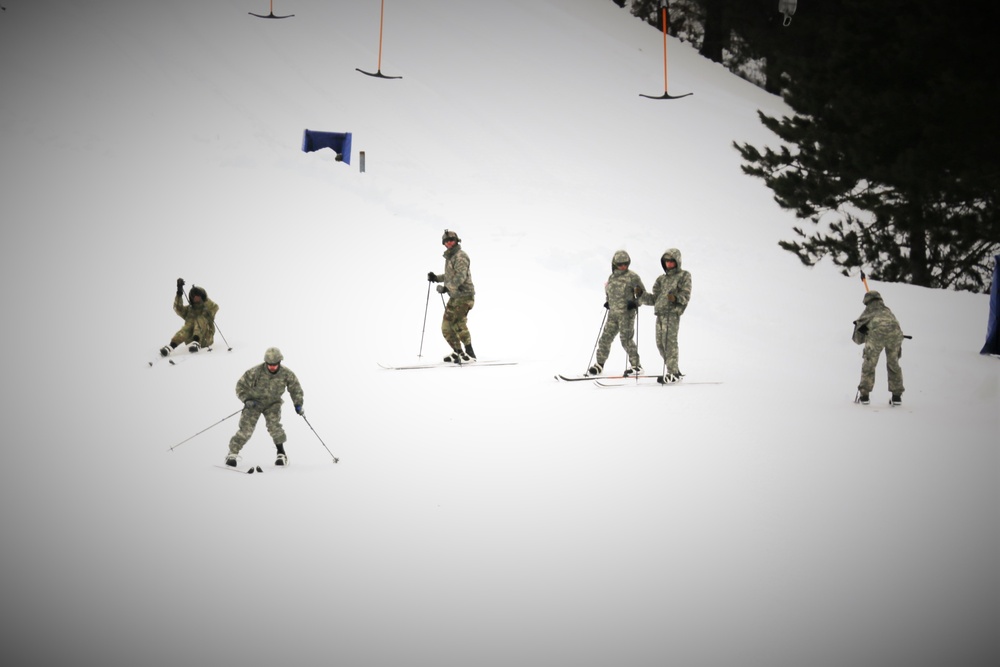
(581, 378)
(249, 471)
(445, 364)
(644, 381)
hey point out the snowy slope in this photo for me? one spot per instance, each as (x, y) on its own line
(478, 516)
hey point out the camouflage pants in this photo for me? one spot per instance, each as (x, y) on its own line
(666, 340)
(869, 360)
(248, 422)
(188, 332)
(455, 325)
(622, 326)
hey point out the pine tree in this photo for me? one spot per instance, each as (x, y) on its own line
(892, 150)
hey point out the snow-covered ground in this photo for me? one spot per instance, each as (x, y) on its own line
(488, 516)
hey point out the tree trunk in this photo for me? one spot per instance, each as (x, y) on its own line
(919, 270)
(715, 31)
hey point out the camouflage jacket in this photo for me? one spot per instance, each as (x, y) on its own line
(620, 289)
(259, 384)
(193, 313)
(876, 323)
(457, 275)
(676, 282)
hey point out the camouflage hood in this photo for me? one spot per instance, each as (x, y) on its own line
(872, 296)
(620, 257)
(674, 254)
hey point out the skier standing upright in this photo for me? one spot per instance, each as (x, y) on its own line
(456, 282)
(623, 291)
(260, 389)
(669, 298)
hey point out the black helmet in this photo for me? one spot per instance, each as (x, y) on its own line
(198, 291)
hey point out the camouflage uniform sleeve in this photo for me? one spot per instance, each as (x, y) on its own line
(294, 388)
(860, 334)
(179, 307)
(459, 273)
(244, 385)
(637, 283)
(649, 298)
(211, 308)
(683, 292)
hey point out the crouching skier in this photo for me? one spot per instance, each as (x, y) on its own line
(260, 390)
(199, 320)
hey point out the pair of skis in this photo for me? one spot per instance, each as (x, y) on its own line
(179, 358)
(249, 471)
(626, 380)
(447, 364)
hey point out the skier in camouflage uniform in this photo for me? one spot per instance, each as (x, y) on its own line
(260, 389)
(670, 296)
(878, 329)
(623, 291)
(199, 320)
(457, 283)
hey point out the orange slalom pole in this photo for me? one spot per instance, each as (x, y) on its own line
(381, 20)
(665, 48)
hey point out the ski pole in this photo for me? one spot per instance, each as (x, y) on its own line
(636, 336)
(335, 459)
(596, 342)
(205, 429)
(427, 303)
(228, 346)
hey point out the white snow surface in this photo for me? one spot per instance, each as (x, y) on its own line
(480, 516)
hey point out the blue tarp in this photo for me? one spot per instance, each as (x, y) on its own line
(993, 326)
(340, 142)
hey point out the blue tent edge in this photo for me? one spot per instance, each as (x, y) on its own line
(992, 345)
(338, 142)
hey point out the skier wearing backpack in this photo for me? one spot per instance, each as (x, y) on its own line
(878, 329)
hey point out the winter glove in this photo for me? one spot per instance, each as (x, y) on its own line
(632, 304)
(432, 277)
(180, 287)
(606, 305)
(442, 289)
(298, 410)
